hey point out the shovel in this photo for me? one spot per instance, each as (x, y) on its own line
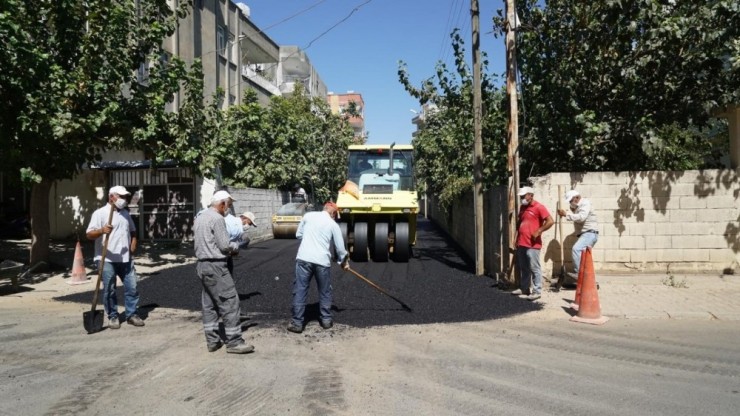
(561, 279)
(368, 281)
(93, 320)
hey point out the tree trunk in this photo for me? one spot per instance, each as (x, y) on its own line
(40, 221)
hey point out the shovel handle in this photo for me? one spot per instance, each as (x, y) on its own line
(381, 290)
(102, 260)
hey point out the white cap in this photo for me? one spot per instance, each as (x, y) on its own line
(251, 217)
(525, 190)
(220, 196)
(119, 190)
(571, 194)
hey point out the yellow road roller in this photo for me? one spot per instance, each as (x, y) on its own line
(378, 204)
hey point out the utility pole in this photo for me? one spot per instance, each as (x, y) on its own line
(513, 133)
(478, 142)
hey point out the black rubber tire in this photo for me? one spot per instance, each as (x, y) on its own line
(359, 252)
(401, 245)
(380, 242)
(343, 226)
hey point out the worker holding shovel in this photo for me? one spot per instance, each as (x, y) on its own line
(118, 261)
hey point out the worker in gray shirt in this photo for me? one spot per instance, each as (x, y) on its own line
(219, 297)
(586, 226)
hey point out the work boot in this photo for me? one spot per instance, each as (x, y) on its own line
(517, 292)
(113, 323)
(135, 320)
(327, 324)
(215, 347)
(243, 348)
(295, 328)
(534, 296)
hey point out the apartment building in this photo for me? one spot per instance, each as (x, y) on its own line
(340, 103)
(236, 56)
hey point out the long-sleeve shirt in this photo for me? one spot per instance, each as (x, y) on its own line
(316, 231)
(584, 219)
(211, 238)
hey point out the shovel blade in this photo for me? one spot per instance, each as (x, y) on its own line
(93, 321)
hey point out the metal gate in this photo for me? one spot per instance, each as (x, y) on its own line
(163, 203)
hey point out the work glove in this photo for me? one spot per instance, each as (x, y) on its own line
(244, 240)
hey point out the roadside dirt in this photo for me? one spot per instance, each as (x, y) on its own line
(49, 365)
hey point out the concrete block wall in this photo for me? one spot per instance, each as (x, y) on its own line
(264, 203)
(684, 221)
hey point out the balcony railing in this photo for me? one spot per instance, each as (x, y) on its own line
(249, 73)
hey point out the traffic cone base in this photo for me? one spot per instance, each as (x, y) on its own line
(79, 275)
(588, 307)
(597, 321)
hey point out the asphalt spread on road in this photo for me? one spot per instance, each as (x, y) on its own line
(438, 284)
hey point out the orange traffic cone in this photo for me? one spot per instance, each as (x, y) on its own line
(579, 285)
(589, 310)
(79, 275)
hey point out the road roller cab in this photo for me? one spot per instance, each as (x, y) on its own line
(378, 204)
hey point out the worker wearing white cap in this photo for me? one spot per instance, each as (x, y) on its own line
(120, 248)
(219, 298)
(586, 226)
(534, 219)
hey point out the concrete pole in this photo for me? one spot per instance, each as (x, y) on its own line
(513, 133)
(478, 142)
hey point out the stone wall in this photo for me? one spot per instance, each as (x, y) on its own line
(264, 203)
(684, 221)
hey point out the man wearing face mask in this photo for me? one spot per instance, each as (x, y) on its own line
(218, 297)
(119, 256)
(534, 219)
(586, 226)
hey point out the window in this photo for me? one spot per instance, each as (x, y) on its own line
(221, 40)
(142, 75)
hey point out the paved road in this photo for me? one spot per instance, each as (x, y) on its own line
(437, 284)
(467, 348)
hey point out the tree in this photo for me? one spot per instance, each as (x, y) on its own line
(70, 88)
(444, 146)
(296, 137)
(625, 84)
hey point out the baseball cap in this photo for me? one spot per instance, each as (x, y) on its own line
(220, 196)
(118, 189)
(251, 217)
(525, 190)
(571, 194)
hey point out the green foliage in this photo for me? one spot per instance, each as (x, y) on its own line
(444, 145)
(69, 84)
(625, 84)
(295, 139)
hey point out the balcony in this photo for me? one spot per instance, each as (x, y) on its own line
(256, 78)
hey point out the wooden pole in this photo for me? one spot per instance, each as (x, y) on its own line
(478, 142)
(513, 131)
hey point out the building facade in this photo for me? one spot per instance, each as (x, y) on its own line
(236, 56)
(340, 104)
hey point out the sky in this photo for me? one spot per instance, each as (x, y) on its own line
(361, 53)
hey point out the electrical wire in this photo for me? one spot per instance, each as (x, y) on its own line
(239, 39)
(355, 9)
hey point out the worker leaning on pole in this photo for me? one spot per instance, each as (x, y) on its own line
(219, 297)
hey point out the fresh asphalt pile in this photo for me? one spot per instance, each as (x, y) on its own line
(438, 284)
